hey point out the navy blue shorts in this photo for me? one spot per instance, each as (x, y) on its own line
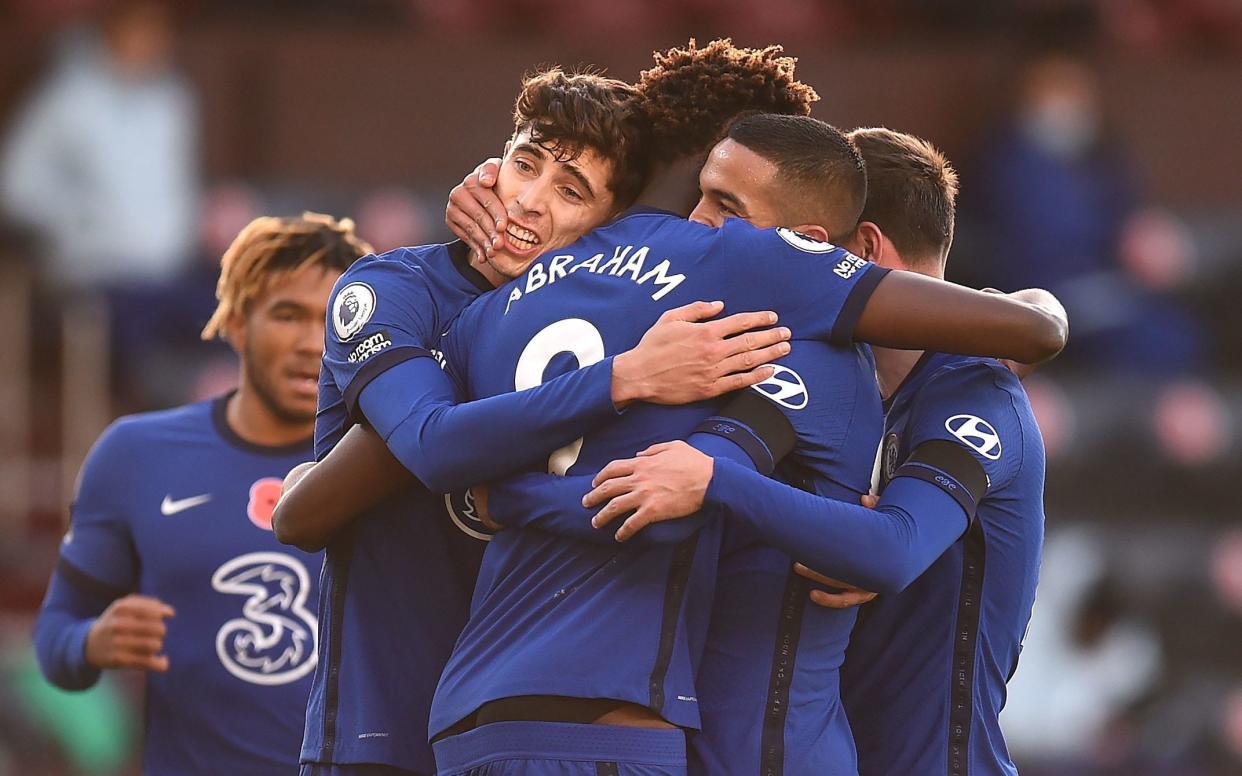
(562, 749)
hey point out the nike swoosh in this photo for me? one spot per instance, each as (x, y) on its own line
(169, 507)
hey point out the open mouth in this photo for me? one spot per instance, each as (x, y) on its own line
(522, 239)
(305, 382)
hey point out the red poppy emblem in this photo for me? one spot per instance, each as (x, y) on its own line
(263, 497)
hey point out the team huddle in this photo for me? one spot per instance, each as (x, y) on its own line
(598, 488)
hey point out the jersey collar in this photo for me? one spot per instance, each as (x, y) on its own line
(460, 253)
(219, 419)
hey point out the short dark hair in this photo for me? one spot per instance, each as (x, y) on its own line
(816, 161)
(567, 113)
(912, 193)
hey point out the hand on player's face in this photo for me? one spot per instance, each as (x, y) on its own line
(665, 482)
(475, 213)
(130, 634)
(549, 202)
(684, 357)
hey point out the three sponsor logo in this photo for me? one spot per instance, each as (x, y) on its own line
(275, 640)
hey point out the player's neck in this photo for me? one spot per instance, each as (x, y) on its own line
(251, 420)
(892, 367)
(487, 270)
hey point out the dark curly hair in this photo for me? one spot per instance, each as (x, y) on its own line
(692, 94)
(680, 107)
(568, 113)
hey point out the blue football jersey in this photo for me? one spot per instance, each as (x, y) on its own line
(175, 505)
(545, 603)
(924, 678)
(397, 581)
(769, 681)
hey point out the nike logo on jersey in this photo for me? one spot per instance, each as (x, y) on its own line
(169, 507)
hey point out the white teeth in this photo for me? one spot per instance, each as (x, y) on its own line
(524, 238)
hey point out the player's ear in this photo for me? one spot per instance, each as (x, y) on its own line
(814, 231)
(234, 332)
(871, 241)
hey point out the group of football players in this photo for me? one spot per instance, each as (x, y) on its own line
(592, 481)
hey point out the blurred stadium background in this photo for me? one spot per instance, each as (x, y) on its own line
(1100, 144)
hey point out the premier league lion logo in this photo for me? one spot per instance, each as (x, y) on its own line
(352, 309)
(275, 639)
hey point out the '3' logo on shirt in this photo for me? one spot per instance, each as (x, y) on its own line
(275, 639)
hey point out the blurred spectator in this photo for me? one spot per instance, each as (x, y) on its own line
(102, 157)
(1085, 662)
(101, 162)
(1059, 202)
(392, 217)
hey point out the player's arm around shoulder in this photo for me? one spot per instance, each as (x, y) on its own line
(912, 311)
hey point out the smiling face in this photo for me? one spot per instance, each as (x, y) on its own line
(736, 182)
(551, 202)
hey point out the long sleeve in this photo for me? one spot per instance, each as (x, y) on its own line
(882, 550)
(554, 504)
(68, 612)
(450, 446)
(97, 563)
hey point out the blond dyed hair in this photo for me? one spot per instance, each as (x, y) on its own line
(268, 245)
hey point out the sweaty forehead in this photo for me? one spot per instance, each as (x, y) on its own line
(734, 169)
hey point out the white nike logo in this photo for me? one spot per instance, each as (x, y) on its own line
(169, 507)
